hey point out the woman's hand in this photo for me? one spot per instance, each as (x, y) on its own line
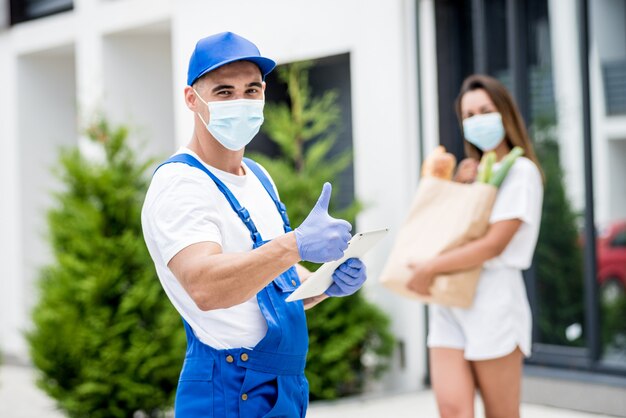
(467, 171)
(422, 279)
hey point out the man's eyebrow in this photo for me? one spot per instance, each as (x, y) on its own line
(222, 87)
(255, 84)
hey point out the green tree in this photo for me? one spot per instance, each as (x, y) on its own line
(106, 340)
(350, 340)
(559, 253)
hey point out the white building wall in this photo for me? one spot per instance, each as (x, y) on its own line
(140, 62)
(105, 47)
(11, 293)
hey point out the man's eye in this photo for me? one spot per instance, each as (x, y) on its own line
(223, 93)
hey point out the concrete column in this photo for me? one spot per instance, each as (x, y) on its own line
(428, 74)
(567, 81)
(11, 294)
(89, 61)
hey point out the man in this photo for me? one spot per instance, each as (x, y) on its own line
(225, 252)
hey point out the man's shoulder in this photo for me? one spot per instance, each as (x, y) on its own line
(176, 182)
(173, 172)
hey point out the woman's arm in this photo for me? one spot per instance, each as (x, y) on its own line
(470, 255)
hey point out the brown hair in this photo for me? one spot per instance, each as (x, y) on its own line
(516, 134)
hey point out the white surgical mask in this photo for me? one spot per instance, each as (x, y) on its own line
(485, 131)
(234, 122)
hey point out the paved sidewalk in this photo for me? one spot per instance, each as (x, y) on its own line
(419, 405)
(20, 398)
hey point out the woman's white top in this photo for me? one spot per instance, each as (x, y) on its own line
(519, 197)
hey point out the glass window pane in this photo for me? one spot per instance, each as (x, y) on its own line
(43, 7)
(31, 9)
(556, 126)
(608, 103)
(496, 38)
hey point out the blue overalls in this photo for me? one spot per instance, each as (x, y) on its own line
(267, 380)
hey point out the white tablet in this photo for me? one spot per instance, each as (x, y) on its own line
(319, 281)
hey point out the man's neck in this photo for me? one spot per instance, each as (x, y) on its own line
(214, 154)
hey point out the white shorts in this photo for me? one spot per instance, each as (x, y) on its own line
(498, 321)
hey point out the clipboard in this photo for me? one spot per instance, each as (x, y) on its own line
(319, 281)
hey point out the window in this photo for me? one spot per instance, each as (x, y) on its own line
(24, 10)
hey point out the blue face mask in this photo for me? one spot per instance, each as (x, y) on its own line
(485, 131)
(234, 122)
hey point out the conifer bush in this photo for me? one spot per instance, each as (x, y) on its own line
(106, 340)
(350, 340)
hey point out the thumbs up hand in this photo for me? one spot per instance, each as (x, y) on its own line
(321, 238)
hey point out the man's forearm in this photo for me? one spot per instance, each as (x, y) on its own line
(219, 281)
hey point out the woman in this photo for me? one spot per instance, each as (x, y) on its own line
(483, 346)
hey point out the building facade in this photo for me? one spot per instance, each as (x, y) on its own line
(399, 66)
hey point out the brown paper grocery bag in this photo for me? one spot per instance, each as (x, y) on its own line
(443, 215)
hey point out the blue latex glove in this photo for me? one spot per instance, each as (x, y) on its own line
(347, 278)
(322, 238)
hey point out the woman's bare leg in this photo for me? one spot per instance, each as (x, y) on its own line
(499, 381)
(452, 382)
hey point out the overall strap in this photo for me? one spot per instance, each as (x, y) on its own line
(269, 187)
(242, 212)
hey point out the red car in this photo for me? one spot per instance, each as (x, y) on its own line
(611, 259)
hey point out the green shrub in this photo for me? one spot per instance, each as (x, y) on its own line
(350, 340)
(106, 339)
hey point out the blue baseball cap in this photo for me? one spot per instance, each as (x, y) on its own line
(223, 48)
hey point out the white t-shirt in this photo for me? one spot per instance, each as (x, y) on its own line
(520, 197)
(499, 319)
(183, 206)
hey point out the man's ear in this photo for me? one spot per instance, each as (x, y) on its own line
(191, 100)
